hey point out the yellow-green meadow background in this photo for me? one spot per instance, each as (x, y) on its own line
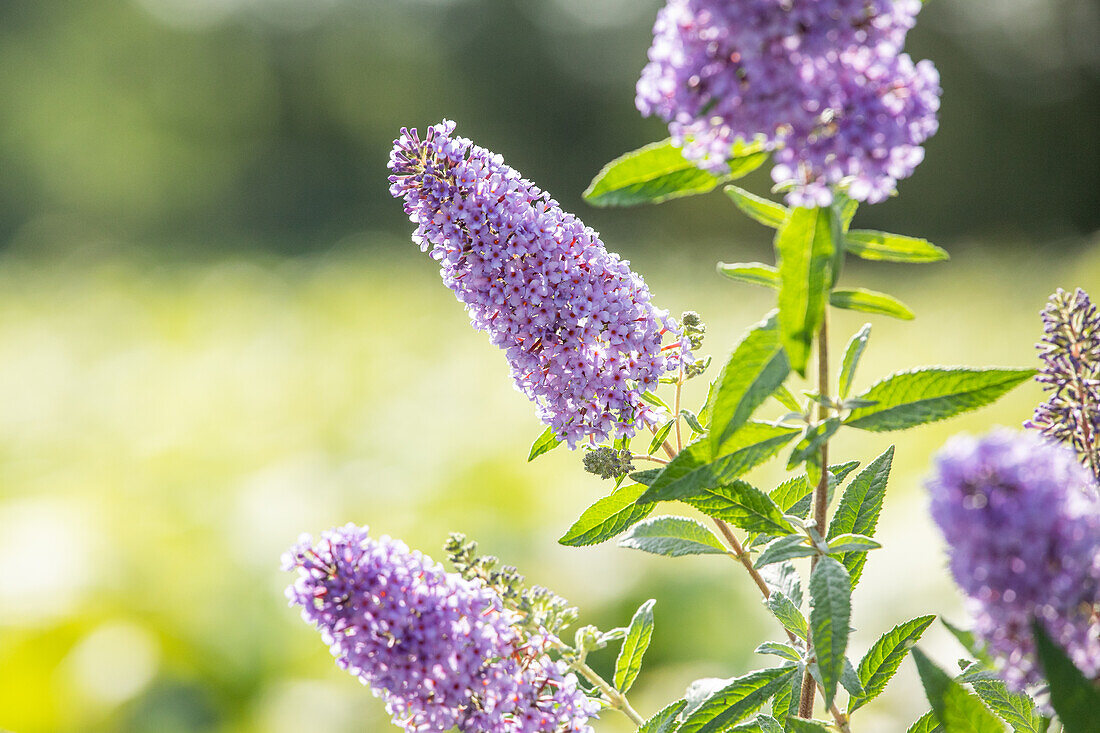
(215, 334)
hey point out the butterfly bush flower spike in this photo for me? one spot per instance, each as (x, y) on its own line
(823, 83)
(440, 650)
(1022, 524)
(576, 324)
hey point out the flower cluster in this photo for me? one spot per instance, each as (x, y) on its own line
(440, 650)
(1070, 350)
(1023, 527)
(822, 82)
(576, 323)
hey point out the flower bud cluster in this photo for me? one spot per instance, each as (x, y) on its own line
(1022, 523)
(577, 325)
(823, 82)
(608, 462)
(442, 651)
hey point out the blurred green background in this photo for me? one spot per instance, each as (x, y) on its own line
(215, 335)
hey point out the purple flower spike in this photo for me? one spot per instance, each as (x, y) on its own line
(822, 82)
(576, 323)
(1023, 529)
(440, 650)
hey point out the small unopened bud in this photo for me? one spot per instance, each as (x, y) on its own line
(697, 367)
(691, 319)
(607, 462)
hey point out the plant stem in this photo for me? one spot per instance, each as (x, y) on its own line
(679, 386)
(615, 698)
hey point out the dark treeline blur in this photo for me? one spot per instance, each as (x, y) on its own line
(266, 124)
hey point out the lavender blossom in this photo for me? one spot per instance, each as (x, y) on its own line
(576, 323)
(1022, 524)
(440, 650)
(1071, 372)
(821, 82)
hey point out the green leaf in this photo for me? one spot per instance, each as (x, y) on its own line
(543, 444)
(1015, 708)
(926, 723)
(783, 577)
(672, 537)
(779, 649)
(872, 245)
(805, 246)
(608, 517)
(742, 505)
(907, 399)
(692, 421)
(870, 301)
(811, 441)
(755, 369)
(699, 691)
(658, 172)
(760, 724)
(787, 613)
(885, 656)
(852, 354)
(629, 662)
(1073, 697)
(656, 401)
(753, 273)
(664, 721)
(736, 701)
(766, 212)
(785, 398)
(860, 507)
(957, 710)
(841, 471)
(846, 210)
(659, 437)
(830, 615)
(646, 477)
(801, 725)
(844, 544)
(785, 548)
(695, 469)
(849, 679)
(969, 643)
(786, 700)
(790, 493)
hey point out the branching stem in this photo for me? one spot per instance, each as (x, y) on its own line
(615, 698)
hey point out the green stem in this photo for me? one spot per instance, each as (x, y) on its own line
(615, 699)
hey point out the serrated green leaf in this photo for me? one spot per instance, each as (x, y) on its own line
(736, 701)
(860, 507)
(885, 656)
(845, 544)
(785, 548)
(699, 691)
(742, 505)
(1015, 708)
(787, 614)
(629, 662)
(608, 517)
(672, 537)
(830, 616)
(1073, 697)
(766, 212)
(801, 725)
(957, 710)
(805, 246)
(790, 493)
(751, 273)
(646, 477)
(664, 721)
(695, 469)
(852, 353)
(760, 724)
(849, 680)
(841, 470)
(543, 444)
(907, 399)
(870, 301)
(926, 723)
(784, 578)
(779, 649)
(872, 245)
(755, 369)
(811, 441)
(786, 700)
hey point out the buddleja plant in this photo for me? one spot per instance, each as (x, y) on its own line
(822, 90)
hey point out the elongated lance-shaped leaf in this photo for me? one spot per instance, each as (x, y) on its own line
(658, 172)
(852, 354)
(672, 537)
(860, 507)
(870, 301)
(784, 397)
(884, 657)
(755, 369)
(1073, 697)
(830, 615)
(927, 723)
(660, 436)
(768, 213)
(736, 701)
(907, 399)
(801, 725)
(629, 662)
(805, 245)
(695, 468)
(785, 548)
(779, 649)
(957, 710)
(845, 544)
(742, 505)
(783, 577)
(787, 614)
(845, 210)
(666, 720)
(543, 444)
(751, 273)
(849, 680)
(786, 700)
(811, 441)
(872, 245)
(1015, 708)
(608, 517)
